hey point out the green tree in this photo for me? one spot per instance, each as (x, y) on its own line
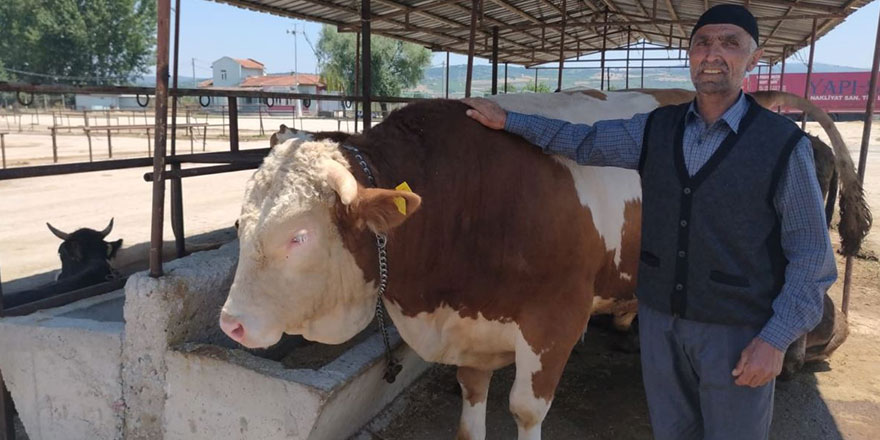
(395, 65)
(77, 41)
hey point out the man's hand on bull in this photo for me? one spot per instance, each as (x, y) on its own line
(759, 363)
(486, 112)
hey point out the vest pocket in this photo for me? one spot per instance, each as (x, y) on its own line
(728, 279)
(649, 259)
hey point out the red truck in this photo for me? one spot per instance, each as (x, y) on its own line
(835, 92)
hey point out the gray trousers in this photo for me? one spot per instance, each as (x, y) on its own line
(686, 368)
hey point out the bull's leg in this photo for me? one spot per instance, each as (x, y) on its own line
(536, 378)
(474, 390)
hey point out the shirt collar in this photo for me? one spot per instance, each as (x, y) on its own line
(732, 117)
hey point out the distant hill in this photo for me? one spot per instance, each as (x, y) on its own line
(182, 81)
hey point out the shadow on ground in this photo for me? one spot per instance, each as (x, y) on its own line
(600, 397)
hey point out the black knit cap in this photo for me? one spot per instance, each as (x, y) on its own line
(729, 14)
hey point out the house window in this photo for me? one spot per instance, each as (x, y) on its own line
(222, 74)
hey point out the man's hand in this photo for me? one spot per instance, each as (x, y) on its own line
(758, 364)
(486, 112)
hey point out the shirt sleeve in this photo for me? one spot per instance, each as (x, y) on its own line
(805, 241)
(615, 143)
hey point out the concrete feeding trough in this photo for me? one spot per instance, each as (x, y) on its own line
(63, 368)
(213, 391)
(151, 363)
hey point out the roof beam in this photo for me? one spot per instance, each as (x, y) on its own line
(803, 5)
(674, 16)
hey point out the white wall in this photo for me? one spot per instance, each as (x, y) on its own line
(233, 72)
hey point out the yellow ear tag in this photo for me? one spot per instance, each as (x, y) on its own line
(400, 201)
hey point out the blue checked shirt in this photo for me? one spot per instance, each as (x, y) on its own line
(811, 268)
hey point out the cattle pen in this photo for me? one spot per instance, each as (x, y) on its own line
(531, 33)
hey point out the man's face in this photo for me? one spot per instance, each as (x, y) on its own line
(720, 55)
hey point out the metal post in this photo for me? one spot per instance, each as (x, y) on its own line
(536, 80)
(357, 72)
(367, 77)
(3, 148)
(7, 429)
(233, 122)
(473, 34)
(109, 146)
(562, 46)
(769, 76)
(863, 153)
(643, 65)
(495, 59)
(628, 35)
(782, 73)
(809, 72)
(158, 214)
(602, 64)
(447, 74)
(505, 78)
(176, 183)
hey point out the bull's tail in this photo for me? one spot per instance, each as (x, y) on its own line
(855, 217)
(831, 198)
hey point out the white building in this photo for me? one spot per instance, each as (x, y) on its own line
(230, 72)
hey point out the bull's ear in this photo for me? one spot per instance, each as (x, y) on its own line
(112, 248)
(381, 209)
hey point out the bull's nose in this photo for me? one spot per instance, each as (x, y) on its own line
(231, 326)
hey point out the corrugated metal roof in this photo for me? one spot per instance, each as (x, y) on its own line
(530, 31)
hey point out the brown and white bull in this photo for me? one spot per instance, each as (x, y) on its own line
(498, 257)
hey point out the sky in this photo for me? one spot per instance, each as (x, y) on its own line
(212, 30)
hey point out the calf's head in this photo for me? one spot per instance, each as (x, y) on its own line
(296, 273)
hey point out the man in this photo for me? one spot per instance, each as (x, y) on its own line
(735, 254)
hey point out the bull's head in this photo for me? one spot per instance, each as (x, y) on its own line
(296, 272)
(83, 246)
(285, 133)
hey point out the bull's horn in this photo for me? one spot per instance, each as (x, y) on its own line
(107, 230)
(57, 232)
(342, 181)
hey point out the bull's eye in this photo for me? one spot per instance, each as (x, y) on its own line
(299, 238)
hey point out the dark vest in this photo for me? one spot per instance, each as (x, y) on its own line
(711, 243)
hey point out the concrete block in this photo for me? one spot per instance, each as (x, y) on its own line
(183, 305)
(214, 392)
(63, 369)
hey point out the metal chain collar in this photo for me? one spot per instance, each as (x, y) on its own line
(392, 366)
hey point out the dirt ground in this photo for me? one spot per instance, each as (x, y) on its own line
(600, 396)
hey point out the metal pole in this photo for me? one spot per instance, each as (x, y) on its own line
(536, 80)
(863, 153)
(602, 64)
(643, 65)
(782, 73)
(505, 78)
(7, 429)
(473, 34)
(158, 214)
(357, 72)
(3, 148)
(809, 72)
(495, 60)
(447, 74)
(233, 122)
(176, 183)
(367, 76)
(628, 35)
(562, 46)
